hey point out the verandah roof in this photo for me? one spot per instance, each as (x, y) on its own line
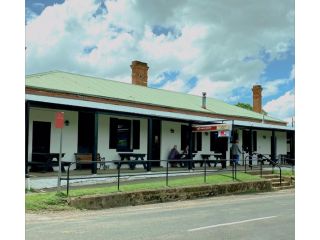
(90, 86)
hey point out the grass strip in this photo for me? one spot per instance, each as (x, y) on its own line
(53, 201)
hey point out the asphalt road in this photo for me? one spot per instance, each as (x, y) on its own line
(261, 216)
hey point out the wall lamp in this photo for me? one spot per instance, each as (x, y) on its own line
(172, 130)
(66, 122)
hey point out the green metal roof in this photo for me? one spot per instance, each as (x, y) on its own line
(91, 86)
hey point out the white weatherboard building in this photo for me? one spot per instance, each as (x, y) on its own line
(110, 117)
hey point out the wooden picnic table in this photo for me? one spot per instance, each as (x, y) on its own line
(126, 158)
(44, 162)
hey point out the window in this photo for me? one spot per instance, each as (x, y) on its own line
(121, 135)
(246, 140)
(196, 139)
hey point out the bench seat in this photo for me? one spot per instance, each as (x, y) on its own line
(85, 160)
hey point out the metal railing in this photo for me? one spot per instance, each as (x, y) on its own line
(186, 167)
(279, 162)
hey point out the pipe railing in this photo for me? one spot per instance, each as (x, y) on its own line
(186, 166)
(185, 163)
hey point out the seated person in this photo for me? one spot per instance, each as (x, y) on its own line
(190, 163)
(173, 155)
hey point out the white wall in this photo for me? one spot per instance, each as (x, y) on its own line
(69, 134)
(264, 142)
(168, 140)
(281, 142)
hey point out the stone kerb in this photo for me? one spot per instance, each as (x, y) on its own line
(166, 195)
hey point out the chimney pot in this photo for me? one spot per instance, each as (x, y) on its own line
(204, 100)
(139, 73)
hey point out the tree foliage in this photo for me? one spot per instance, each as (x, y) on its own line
(248, 107)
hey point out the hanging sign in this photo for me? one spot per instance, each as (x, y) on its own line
(223, 133)
(59, 120)
(210, 128)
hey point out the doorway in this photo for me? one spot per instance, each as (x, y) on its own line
(249, 143)
(41, 134)
(156, 140)
(85, 132)
(273, 147)
(218, 144)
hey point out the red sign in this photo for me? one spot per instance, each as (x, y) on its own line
(209, 128)
(223, 134)
(59, 120)
(204, 128)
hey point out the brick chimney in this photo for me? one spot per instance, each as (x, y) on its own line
(139, 73)
(257, 98)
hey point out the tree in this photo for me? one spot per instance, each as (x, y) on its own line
(248, 107)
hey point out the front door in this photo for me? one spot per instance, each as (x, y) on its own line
(41, 137)
(85, 132)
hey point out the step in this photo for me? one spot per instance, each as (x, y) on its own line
(277, 184)
(256, 172)
(282, 188)
(277, 179)
(271, 176)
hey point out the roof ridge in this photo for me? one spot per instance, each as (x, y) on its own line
(159, 90)
(105, 79)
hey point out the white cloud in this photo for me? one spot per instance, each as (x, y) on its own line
(282, 107)
(216, 89)
(177, 85)
(214, 38)
(272, 87)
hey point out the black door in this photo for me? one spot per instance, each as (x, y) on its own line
(41, 137)
(156, 130)
(85, 132)
(273, 147)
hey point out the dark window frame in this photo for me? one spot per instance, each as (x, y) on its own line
(131, 129)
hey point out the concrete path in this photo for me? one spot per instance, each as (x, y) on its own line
(51, 182)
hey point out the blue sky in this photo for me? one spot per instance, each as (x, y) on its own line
(221, 47)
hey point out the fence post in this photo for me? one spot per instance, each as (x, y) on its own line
(235, 170)
(231, 164)
(261, 168)
(68, 174)
(119, 166)
(205, 170)
(167, 173)
(245, 164)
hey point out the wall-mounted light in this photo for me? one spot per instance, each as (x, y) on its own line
(264, 137)
(172, 130)
(66, 122)
(206, 133)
